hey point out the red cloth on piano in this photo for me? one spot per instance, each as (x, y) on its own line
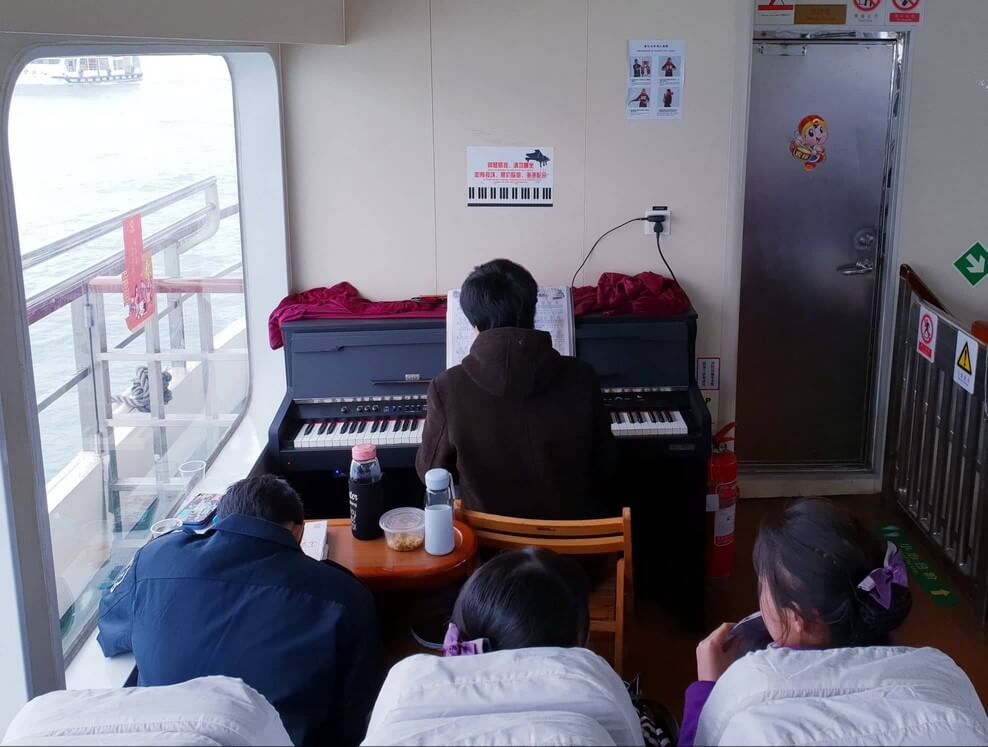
(644, 294)
(343, 301)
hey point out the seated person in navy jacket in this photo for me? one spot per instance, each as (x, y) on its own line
(243, 600)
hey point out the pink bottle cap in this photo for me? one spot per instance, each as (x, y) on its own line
(363, 452)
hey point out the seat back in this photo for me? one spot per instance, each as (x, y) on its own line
(611, 536)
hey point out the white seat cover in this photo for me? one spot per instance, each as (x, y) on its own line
(203, 711)
(528, 696)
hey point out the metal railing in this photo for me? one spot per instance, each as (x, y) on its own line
(937, 447)
(104, 422)
(84, 293)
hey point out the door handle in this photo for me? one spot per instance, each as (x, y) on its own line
(861, 267)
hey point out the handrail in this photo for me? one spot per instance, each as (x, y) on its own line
(61, 294)
(920, 288)
(54, 249)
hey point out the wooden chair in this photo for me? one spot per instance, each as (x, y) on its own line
(610, 598)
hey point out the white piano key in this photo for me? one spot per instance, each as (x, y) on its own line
(297, 441)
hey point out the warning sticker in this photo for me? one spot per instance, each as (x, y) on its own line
(905, 12)
(926, 340)
(708, 373)
(866, 13)
(774, 12)
(965, 362)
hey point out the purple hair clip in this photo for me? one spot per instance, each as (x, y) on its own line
(453, 646)
(879, 582)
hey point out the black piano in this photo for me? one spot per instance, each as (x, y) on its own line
(365, 381)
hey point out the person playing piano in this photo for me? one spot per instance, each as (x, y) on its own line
(522, 428)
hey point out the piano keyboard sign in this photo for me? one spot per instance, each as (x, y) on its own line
(509, 176)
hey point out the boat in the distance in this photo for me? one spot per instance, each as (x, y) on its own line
(82, 71)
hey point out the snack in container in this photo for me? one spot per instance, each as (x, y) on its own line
(404, 529)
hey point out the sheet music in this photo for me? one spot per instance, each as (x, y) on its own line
(553, 314)
(314, 542)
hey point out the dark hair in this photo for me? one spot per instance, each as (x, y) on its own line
(524, 598)
(812, 559)
(266, 497)
(499, 293)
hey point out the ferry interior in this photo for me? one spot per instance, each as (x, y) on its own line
(253, 316)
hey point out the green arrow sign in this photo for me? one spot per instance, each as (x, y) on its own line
(973, 264)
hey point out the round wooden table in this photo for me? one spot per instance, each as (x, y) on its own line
(382, 568)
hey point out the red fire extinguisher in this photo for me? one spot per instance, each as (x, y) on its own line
(722, 496)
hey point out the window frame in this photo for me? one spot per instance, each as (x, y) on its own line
(27, 585)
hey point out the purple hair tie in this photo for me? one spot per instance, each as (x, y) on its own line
(879, 582)
(453, 646)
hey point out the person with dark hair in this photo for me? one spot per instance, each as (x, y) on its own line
(243, 600)
(831, 594)
(521, 599)
(514, 669)
(522, 428)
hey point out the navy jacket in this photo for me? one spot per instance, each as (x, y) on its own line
(243, 600)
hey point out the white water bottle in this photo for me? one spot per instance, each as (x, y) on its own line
(439, 536)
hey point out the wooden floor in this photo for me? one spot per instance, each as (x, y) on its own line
(665, 655)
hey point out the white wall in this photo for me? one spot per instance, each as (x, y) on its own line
(944, 206)
(377, 133)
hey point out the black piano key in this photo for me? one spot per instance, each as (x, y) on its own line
(374, 427)
(354, 425)
(332, 427)
(308, 429)
(362, 427)
(397, 426)
(638, 417)
(669, 417)
(614, 418)
(651, 416)
(415, 424)
(322, 427)
(404, 425)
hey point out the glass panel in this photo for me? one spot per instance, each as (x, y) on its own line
(95, 141)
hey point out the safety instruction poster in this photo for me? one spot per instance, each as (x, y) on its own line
(656, 71)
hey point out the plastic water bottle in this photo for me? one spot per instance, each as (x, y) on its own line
(366, 494)
(439, 536)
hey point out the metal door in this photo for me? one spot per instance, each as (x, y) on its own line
(812, 251)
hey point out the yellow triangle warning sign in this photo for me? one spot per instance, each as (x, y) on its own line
(964, 360)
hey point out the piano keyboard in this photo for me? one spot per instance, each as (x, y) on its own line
(640, 423)
(343, 433)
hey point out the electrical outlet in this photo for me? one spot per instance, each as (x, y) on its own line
(649, 227)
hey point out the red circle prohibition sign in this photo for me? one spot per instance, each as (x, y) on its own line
(905, 4)
(926, 328)
(866, 5)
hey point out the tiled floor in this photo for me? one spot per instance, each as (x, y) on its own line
(664, 654)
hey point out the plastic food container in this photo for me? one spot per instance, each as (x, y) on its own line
(404, 529)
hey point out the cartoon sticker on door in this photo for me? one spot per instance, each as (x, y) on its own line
(807, 144)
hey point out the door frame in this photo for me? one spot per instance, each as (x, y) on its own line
(771, 480)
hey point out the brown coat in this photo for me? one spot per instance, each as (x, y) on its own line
(523, 430)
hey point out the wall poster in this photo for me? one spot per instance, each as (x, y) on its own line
(656, 71)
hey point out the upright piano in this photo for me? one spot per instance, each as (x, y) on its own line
(365, 381)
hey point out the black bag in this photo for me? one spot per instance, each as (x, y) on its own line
(659, 726)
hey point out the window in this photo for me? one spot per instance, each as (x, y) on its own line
(130, 397)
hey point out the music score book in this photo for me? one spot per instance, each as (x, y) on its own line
(553, 314)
